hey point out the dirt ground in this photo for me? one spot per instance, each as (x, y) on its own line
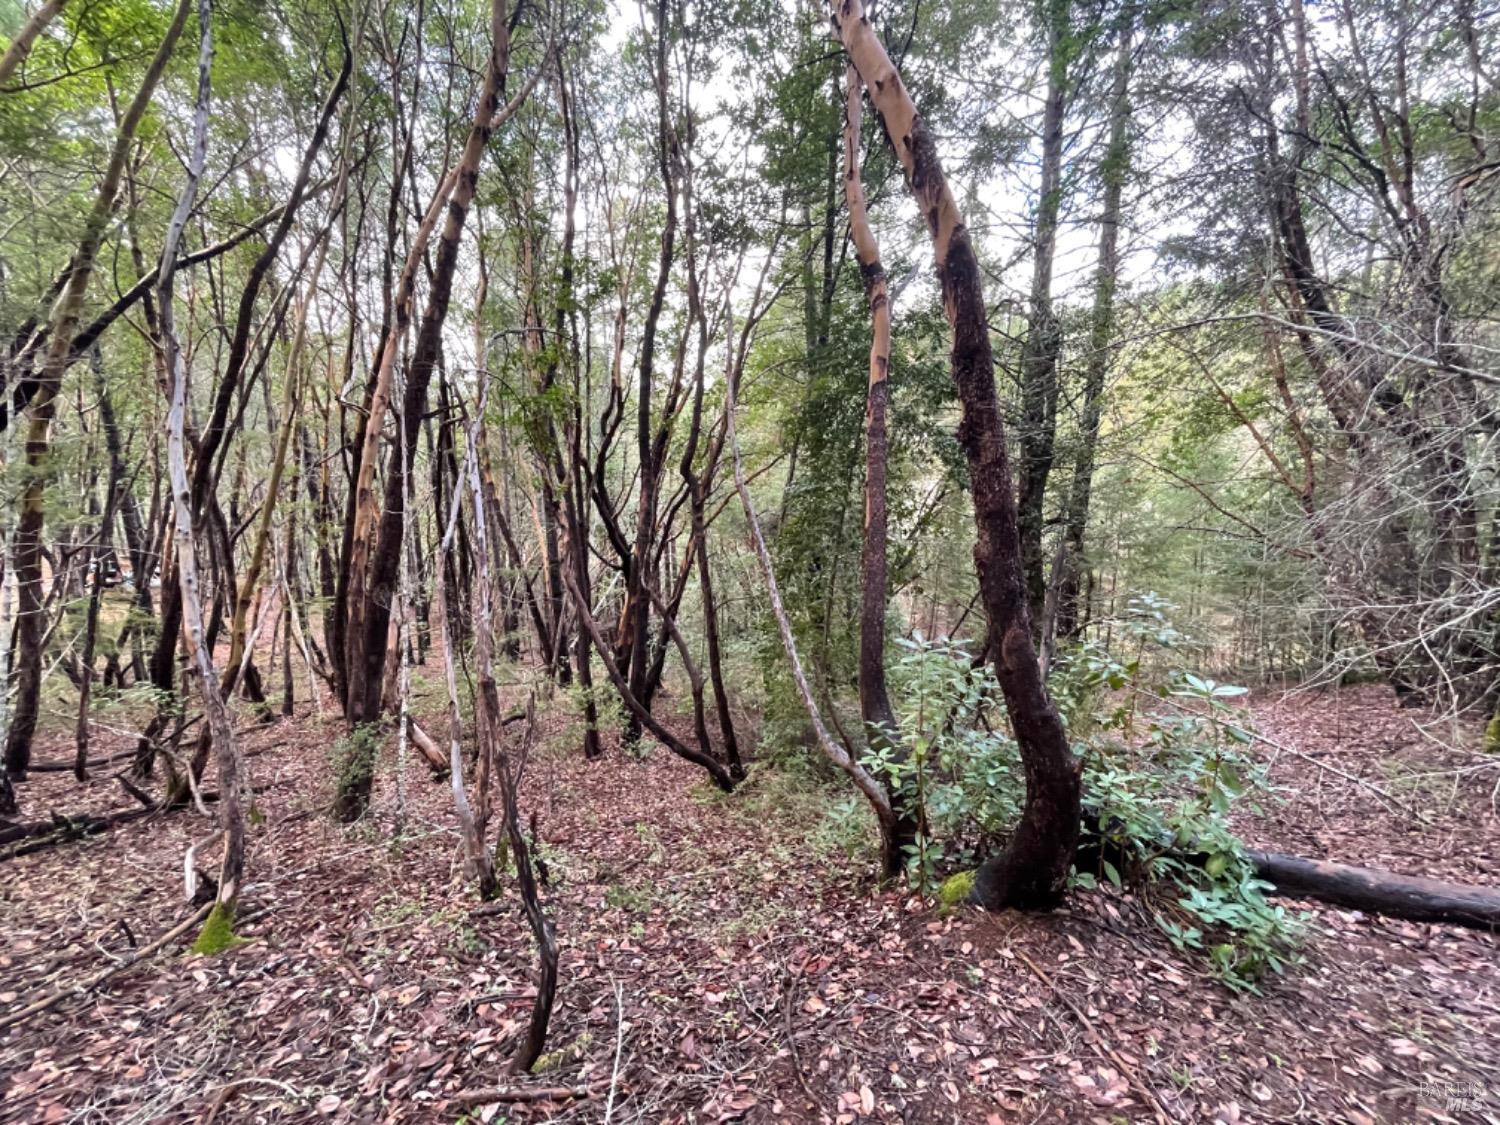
(730, 959)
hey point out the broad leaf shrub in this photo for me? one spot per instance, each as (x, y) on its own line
(1165, 765)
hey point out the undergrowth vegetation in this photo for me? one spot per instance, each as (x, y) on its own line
(1165, 768)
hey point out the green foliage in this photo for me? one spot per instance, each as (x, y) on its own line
(1160, 787)
(1164, 768)
(963, 772)
(795, 797)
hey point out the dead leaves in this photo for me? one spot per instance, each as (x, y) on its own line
(376, 992)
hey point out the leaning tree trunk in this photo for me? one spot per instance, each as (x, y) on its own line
(20, 46)
(864, 781)
(370, 602)
(204, 479)
(874, 698)
(1033, 868)
(62, 330)
(218, 929)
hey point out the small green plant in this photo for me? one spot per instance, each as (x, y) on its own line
(217, 935)
(955, 891)
(619, 896)
(958, 769)
(1164, 765)
(609, 713)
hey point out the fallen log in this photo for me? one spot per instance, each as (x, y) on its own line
(67, 827)
(1368, 889)
(437, 758)
(1380, 892)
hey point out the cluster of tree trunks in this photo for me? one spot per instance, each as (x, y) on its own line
(619, 600)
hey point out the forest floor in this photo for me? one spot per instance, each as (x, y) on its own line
(730, 959)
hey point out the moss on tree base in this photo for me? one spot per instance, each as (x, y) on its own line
(217, 934)
(955, 891)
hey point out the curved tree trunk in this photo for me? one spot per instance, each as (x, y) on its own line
(43, 407)
(1033, 869)
(218, 930)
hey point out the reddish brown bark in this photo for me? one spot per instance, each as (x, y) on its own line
(1033, 869)
(874, 697)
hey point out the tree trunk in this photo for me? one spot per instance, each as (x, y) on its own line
(62, 328)
(218, 930)
(100, 552)
(371, 592)
(1037, 427)
(204, 478)
(872, 789)
(1116, 165)
(874, 699)
(1033, 868)
(20, 46)
(637, 602)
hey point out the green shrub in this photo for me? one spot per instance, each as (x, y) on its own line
(1159, 785)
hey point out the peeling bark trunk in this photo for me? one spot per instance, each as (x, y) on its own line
(1032, 870)
(881, 727)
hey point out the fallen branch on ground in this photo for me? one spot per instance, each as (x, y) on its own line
(471, 1098)
(97, 979)
(66, 827)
